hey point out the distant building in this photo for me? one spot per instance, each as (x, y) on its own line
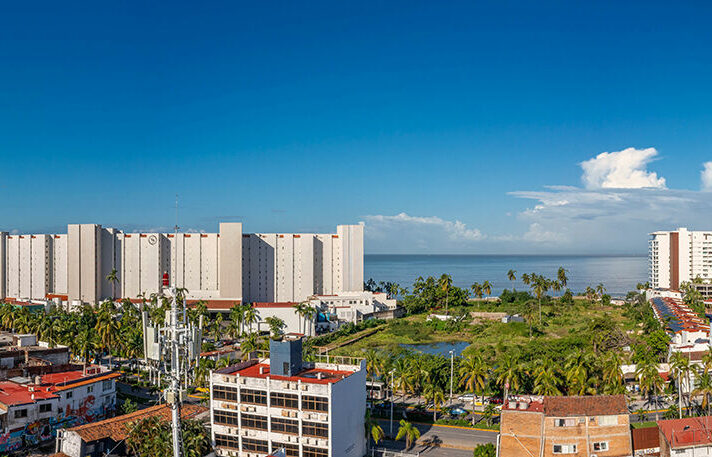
(679, 256)
(686, 437)
(552, 426)
(33, 408)
(353, 307)
(229, 265)
(97, 439)
(309, 409)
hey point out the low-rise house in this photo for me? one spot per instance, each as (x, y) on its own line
(689, 437)
(553, 426)
(108, 436)
(33, 408)
(353, 307)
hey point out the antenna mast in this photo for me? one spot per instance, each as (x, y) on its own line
(175, 333)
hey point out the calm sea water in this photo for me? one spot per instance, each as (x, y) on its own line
(619, 274)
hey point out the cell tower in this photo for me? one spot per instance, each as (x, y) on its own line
(177, 343)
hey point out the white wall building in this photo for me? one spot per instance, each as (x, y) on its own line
(352, 307)
(227, 265)
(309, 409)
(679, 256)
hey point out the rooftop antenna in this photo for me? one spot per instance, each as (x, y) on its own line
(175, 332)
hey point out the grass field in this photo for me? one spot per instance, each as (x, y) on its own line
(563, 329)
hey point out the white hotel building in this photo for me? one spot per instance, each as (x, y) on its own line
(226, 266)
(679, 256)
(308, 409)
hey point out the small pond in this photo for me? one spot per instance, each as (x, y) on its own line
(438, 348)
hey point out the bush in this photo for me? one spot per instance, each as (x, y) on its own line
(514, 296)
(485, 450)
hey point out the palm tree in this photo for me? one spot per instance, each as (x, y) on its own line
(577, 371)
(486, 288)
(546, 378)
(473, 375)
(409, 431)
(445, 282)
(372, 429)
(651, 383)
(600, 290)
(477, 290)
(704, 388)
(612, 375)
(561, 277)
(309, 315)
(107, 328)
(237, 318)
(300, 309)
(113, 278)
(512, 275)
(252, 316)
(216, 328)
(373, 363)
(434, 393)
(680, 369)
(526, 279)
(402, 375)
(248, 345)
(509, 373)
(539, 285)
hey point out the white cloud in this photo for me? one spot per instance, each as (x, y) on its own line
(453, 229)
(626, 169)
(538, 234)
(706, 176)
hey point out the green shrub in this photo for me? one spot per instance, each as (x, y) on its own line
(485, 450)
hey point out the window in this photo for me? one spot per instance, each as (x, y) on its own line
(564, 449)
(107, 385)
(254, 445)
(315, 452)
(280, 400)
(90, 389)
(315, 429)
(288, 426)
(256, 397)
(315, 403)
(70, 394)
(292, 449)
(46, 407)
(600, 446)
(224, 417)
(224, 393)
(607, 420)
(256, 422)
(227, 441)
(564, 422)
(20, 413)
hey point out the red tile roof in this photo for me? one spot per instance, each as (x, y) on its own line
(115, 428)
(12, 393)
(687, 432)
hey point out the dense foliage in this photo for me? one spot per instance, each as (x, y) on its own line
(151, 436)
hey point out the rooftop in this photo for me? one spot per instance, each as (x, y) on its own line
(561, 406)
(261, 369)
(691, 431)
(677, 316)
(115, 428)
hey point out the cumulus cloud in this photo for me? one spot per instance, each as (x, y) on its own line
(626, 169)
(403, 232)
(706, 176)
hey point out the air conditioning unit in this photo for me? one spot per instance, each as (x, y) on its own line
(305, 387)
(285, 385)
(251, 409)
(253, 433)
(244, 433)
(243, 380)
(323, 417)
(323, 443)
(243, 408)
(285, 413)
(292, 414)
(226, 379)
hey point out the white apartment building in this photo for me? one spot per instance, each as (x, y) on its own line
(352, 307)
(228, 265)
(679, 256)
(309, 409)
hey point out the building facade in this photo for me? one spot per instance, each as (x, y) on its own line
(308, 409)
(679, 256)
(577, 426)
(228, 265)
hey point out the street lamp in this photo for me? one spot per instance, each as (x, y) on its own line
(392, 372)
(452, 365)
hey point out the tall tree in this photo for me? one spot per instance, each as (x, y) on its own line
(474, 374)
(409, 432)
(512, 275)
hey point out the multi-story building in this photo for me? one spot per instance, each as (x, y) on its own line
(353, 307)
(33, 408)
(577, 426)
(309, 409)
(229, 265)
(679, 256)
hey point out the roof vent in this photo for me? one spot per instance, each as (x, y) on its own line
(262, 369)
(523, 405)
(320, 375)
(512, 404)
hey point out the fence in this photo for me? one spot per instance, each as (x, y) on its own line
(381, 452)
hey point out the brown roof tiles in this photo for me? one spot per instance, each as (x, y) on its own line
(599, 405)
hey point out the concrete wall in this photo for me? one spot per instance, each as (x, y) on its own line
(346, 429)
(230, 260)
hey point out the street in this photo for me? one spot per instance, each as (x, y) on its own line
(444, 439)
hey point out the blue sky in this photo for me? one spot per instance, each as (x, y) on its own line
(442, 127)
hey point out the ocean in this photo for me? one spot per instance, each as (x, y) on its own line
(618, 274)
